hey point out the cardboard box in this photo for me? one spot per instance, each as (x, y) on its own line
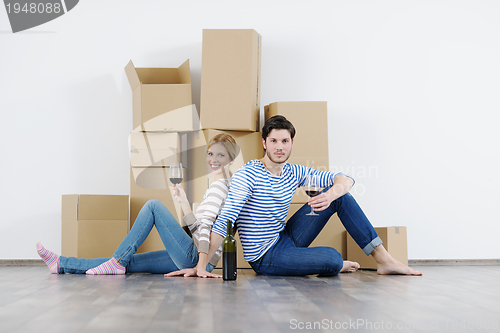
(250, 144)
(154, 178)
(93, 226)
(395, 243)
(152, 183)
(333, 234)
(154, 148)
(162, 98)
(310, 147)
(230, 79)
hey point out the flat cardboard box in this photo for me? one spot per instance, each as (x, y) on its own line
(310, 147)
(230, 79)
(93, 226)
(183, 119)
(250, 144)
(159, 91)
(333, 234)
(152, 183)
(154, 177)
(154, 148)
(394, 241)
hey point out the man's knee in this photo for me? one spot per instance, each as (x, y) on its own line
(332, 263)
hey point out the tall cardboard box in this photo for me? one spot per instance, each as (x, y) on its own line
(310, 147)
(394, 241)
(162, 98)
(250, 144)
(93, 226)
(148, 184)
(230, 79)
(333, 234)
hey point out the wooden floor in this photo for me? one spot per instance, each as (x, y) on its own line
(456, 298)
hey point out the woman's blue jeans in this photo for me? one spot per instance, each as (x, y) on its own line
(290, 255)
(180, 251)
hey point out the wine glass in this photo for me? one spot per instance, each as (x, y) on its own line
(311, 186)
(175, 173)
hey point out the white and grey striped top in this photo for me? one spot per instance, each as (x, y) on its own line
(200, 223)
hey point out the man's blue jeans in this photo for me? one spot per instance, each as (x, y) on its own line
(290, 255)
(179, 252)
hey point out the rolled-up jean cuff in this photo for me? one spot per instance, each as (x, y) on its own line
(372, 245)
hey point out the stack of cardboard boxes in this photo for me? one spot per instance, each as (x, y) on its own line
(168, 128)
(162, 111)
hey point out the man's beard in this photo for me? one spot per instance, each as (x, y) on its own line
(271, 157)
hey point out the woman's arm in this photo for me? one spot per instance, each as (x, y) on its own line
(201, 270)
(212, 205)
(182, 199)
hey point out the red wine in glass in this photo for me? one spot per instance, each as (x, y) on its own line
(312, 189)
(312, 193)
(175, 180)
(175, 173)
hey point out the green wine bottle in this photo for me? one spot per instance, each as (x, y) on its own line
(229, 254)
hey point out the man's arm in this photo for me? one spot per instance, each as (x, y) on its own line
(341, 185)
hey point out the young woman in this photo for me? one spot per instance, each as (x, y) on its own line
(181, 251)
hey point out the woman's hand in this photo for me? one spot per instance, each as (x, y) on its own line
(187, 272)
(180, 194)
(202, 273)
(184, 272)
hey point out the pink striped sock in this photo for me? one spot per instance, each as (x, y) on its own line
(50, 258)
(110, 267)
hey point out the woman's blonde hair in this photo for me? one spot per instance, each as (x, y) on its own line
(227, 140)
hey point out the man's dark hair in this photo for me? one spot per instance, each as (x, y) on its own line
(277, 122)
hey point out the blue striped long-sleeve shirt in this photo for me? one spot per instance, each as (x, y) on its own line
(258, 202)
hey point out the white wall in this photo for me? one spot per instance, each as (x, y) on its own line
(412, 88)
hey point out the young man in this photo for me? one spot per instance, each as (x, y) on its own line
(259, 197)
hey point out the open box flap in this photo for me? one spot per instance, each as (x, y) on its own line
(132, 76)
(184, 73)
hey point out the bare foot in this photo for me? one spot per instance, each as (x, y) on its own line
(386, 264)
(392, 266)
(349, 267)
